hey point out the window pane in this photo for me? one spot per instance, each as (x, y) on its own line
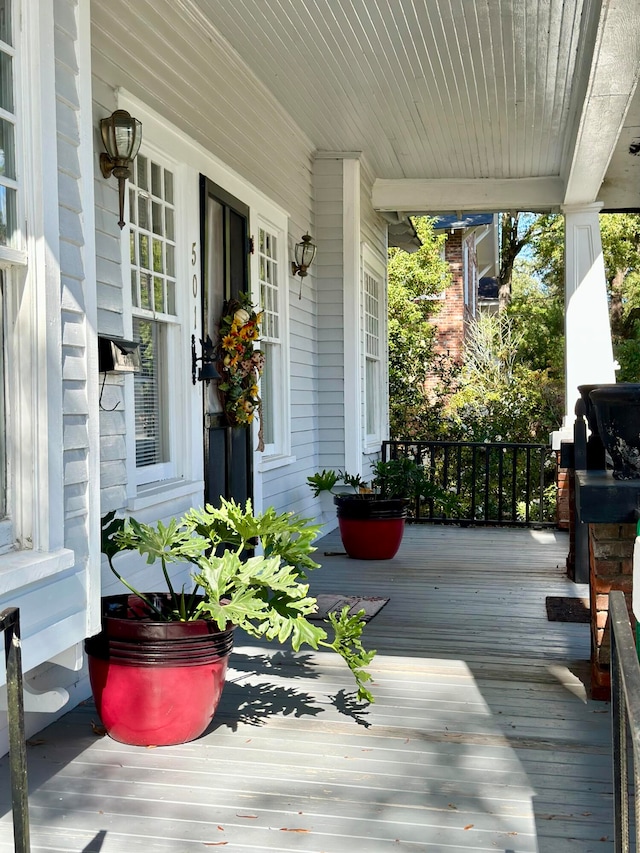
(170, 230)
(143, 243)
(147, 395)
(158, 263)
(156, 180)
(168, 186)
(170, 261)
(157, 217)
(6, 82)
(171, 297)
(5, 22)
(145, 290)
(7, 216)
(7, 159)
(158, 296)
(142, 179)
(143, 211)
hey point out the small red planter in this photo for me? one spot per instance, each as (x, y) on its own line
(371, 528)
(156, 683)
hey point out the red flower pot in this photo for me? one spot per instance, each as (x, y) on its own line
(371, 527)
(156, 683)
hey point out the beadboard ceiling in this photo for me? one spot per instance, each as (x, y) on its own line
(456, 104)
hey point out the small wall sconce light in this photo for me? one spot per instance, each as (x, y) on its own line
(305, 252)
(121, 136)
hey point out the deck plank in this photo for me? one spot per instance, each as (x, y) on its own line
(482, 737)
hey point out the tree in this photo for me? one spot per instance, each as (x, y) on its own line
(501, 397)
(517, 230)
(414, 280)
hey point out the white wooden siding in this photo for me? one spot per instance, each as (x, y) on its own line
(184, 72)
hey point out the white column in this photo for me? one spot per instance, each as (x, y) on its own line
(588, 349)
(351, 305)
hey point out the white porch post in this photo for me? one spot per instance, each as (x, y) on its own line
(351, 296)
(588, 349)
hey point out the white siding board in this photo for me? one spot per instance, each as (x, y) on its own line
(76, 434)
(72, 300)
(110, 323)
(68, 189)
(112, 448)
(74, 366)
(71, 227)
(74, 334)
(112, 473)
(112, 422)
(65, 17)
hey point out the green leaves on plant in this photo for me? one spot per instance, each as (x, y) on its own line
(265, 595)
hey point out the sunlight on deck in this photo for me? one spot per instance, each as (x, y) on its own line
(482, 737)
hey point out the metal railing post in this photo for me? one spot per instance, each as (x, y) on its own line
(10, 626)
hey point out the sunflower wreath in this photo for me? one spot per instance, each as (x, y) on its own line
(240, 364)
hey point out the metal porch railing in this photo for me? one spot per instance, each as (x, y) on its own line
(625, 711)
(497, 483)
(10, 626)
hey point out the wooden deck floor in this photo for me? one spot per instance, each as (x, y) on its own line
(481, 738)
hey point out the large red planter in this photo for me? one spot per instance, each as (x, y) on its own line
(371, 528)
(156, 683)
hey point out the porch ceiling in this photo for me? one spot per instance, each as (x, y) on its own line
(456, 104)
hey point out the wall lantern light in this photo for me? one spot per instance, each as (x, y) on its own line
(305, 252)
(121, 136)
(208, 369)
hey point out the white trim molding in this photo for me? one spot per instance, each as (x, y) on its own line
(352, 315)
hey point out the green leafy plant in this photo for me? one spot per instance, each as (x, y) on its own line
(401, 478)
(266, 595)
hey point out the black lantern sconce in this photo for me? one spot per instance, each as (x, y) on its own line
(305, 252)
(121, 136)
(208, 358)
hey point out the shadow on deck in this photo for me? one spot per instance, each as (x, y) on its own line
(482, 737)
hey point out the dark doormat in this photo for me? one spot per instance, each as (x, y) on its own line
(334, 604)
(564, 609)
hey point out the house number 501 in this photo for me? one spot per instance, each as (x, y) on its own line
(194, 280)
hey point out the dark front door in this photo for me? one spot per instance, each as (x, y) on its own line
(225, 274)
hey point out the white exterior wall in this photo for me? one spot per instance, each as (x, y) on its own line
(52, 399)
(224, 111)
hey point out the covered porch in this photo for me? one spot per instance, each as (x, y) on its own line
(482, 737)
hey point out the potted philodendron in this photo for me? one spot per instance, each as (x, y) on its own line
(372, 519)
(157, 667)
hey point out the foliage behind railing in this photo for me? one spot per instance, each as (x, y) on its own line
(497, 483)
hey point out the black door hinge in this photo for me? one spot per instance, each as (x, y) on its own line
(250, 246)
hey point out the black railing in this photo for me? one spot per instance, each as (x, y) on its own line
(497, 483)
(625, 724)
(10, 626)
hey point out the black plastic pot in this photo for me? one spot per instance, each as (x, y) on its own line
(371, 527)
(617, 410)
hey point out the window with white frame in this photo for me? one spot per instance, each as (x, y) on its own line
(373, 305)
(274, 384)
(8, 228)
(8, 184)
(152, 217)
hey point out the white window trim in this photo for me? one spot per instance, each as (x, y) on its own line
(278, 453)
(153, 479)
(374, 265)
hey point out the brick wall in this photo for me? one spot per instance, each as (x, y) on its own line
(611, 567)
